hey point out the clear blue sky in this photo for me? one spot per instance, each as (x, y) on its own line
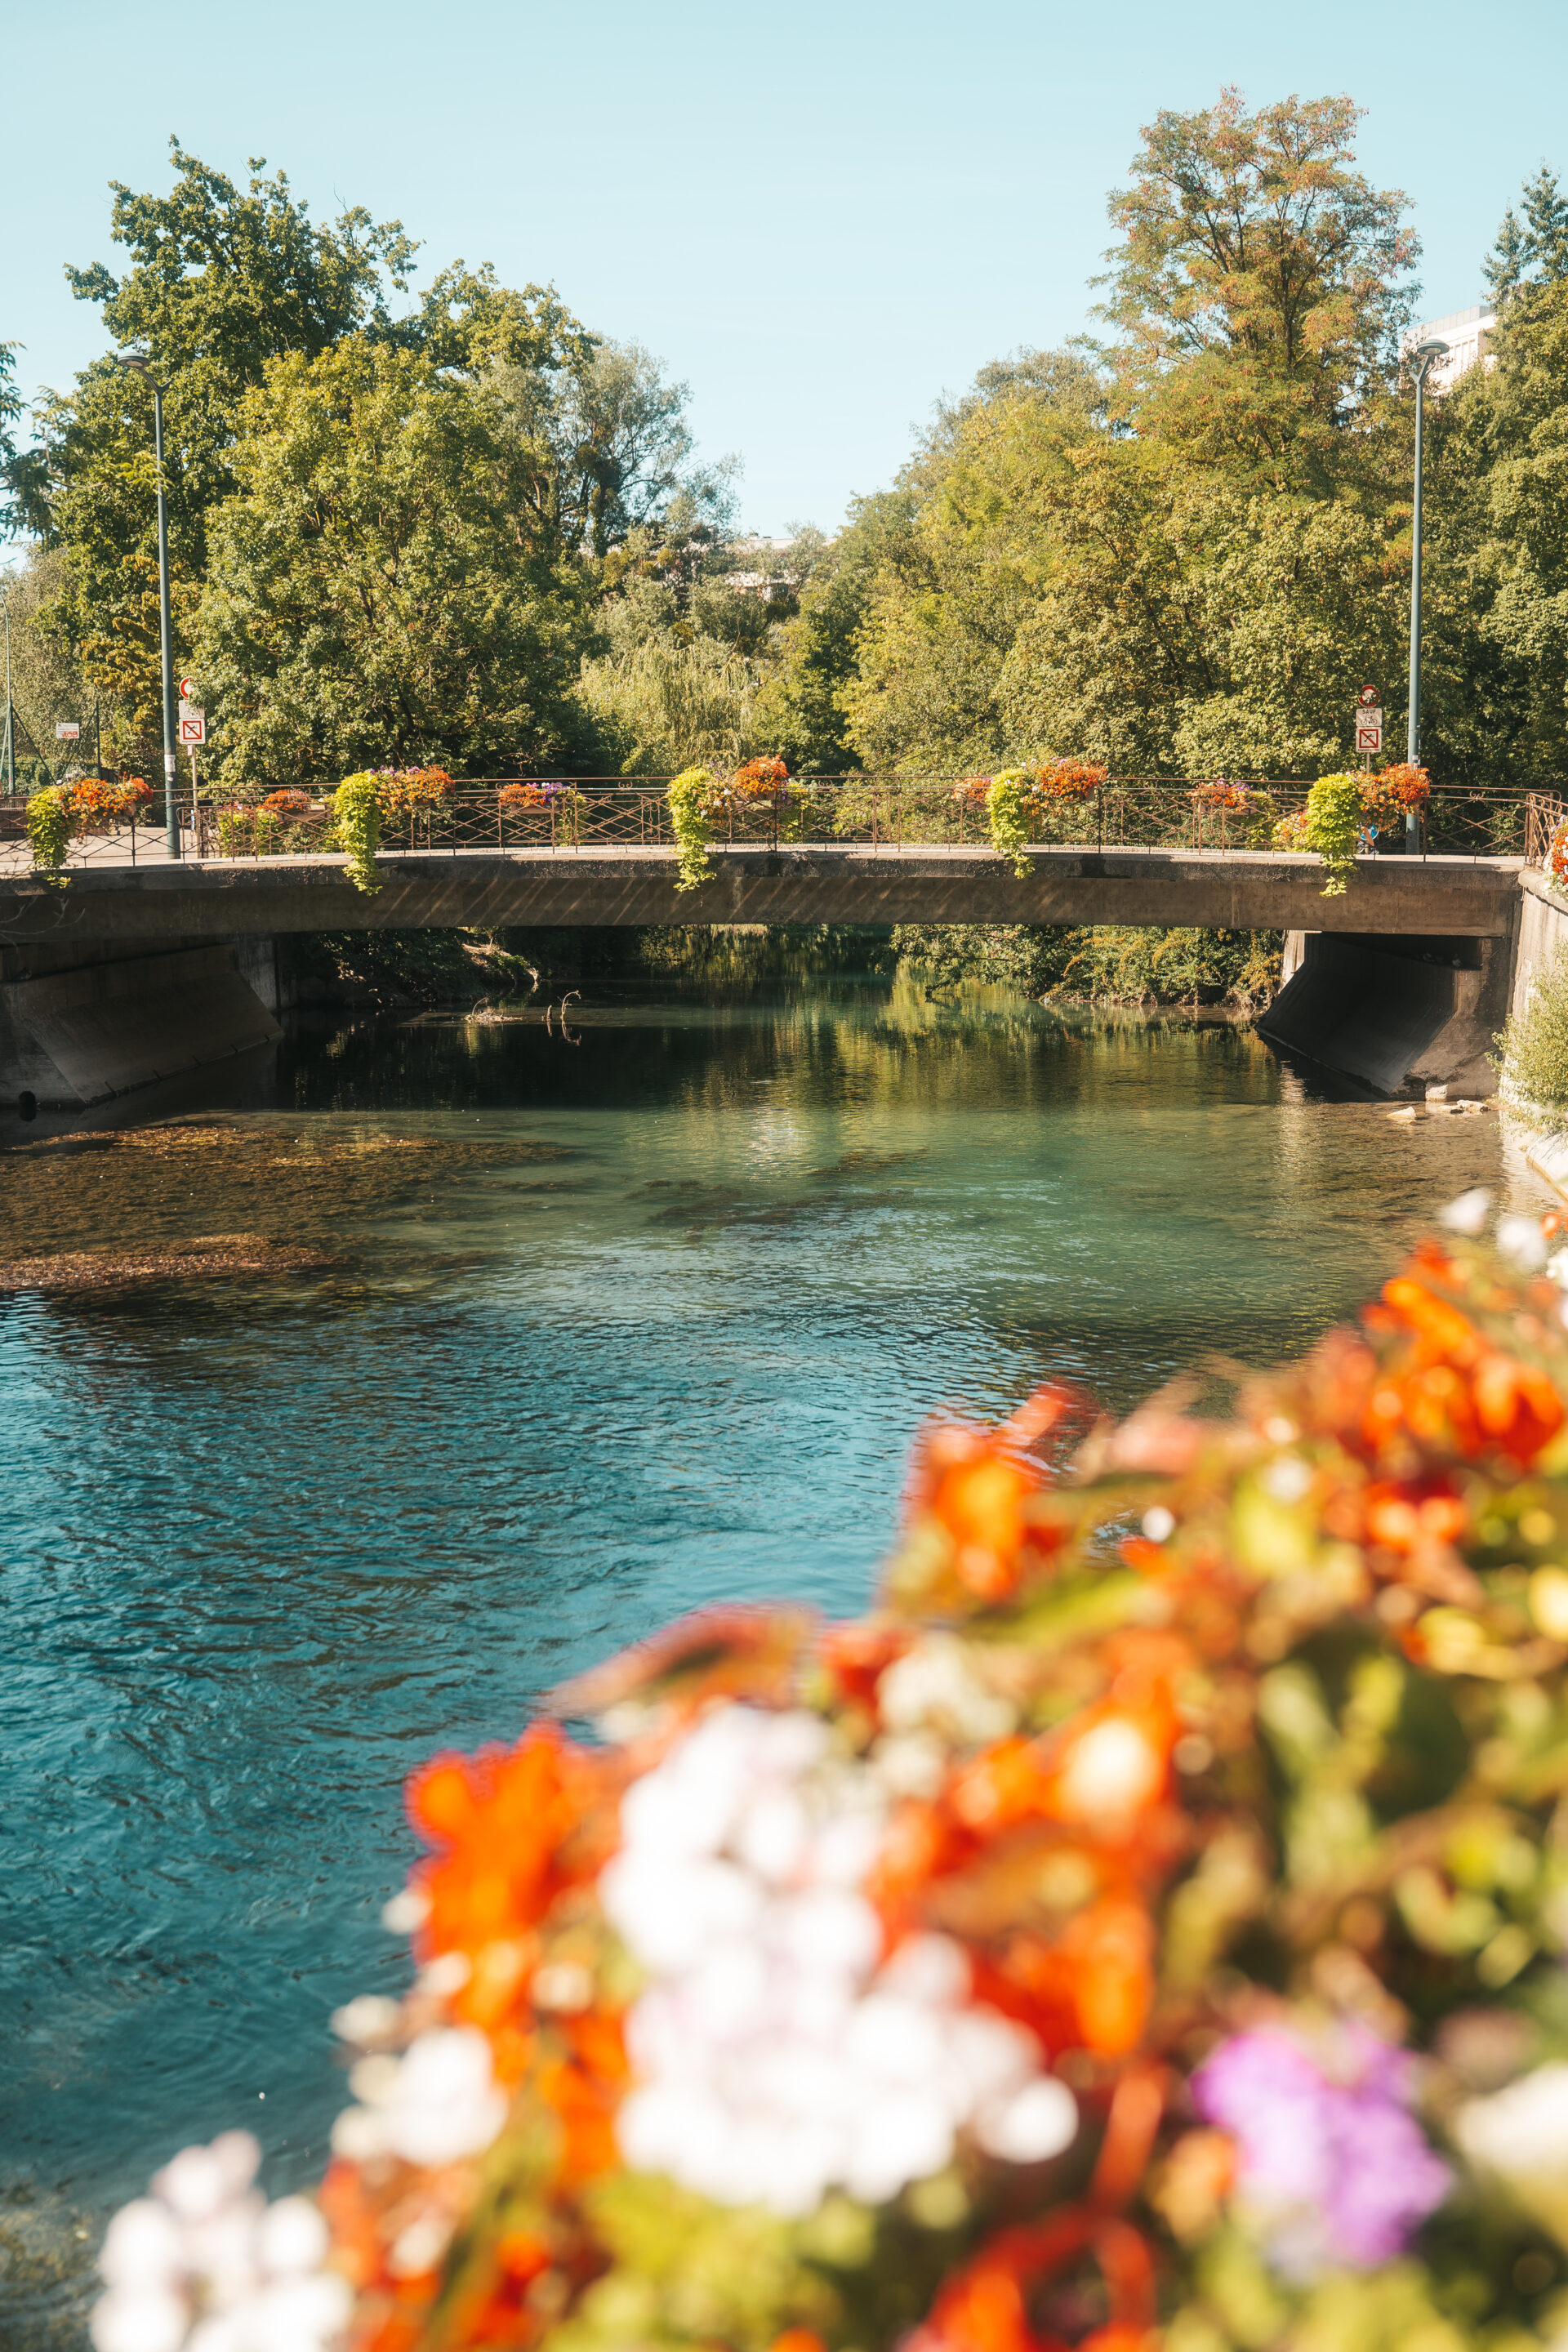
(821, 213)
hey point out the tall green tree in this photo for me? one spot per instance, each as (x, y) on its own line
(223, 281)
(1495, 690)
(1260, 285)
(381, 589)
(1185, 559)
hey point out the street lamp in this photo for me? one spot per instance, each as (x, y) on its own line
(140, 363)
(1425, 353)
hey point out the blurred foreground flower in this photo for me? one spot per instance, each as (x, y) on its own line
(1146, 1924)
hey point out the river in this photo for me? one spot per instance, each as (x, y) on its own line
(583, 1326)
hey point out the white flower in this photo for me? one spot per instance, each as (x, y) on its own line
(1519, 1238)
(778, 2050)
(1467, 1214)
(934, 1683)
(1522, 2129)
(141, 2319)
(203, 2264)
(444, 2103)
(1522, 2134)
(1031, 2125)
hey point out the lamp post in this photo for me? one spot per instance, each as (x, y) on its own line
(140, 363)
(1425, 355)
(9, 746)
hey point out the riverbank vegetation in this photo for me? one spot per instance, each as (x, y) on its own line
(467, 528)
(1532, 1057)
(1108, 962)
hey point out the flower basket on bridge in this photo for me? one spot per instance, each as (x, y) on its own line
(408, 792)
(1148, 1918)
(1398, 790)
(1068, 779)
(1017, 795)
(760, 780)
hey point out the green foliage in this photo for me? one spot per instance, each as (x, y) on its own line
(1117, 962)
(10, 410)
(1534, 252)
(223, 280)
(376, 592)
(1067, 589)
(618, 443)
(1259, 284)
(356, 823)
(1534, 1058)
(1007, 809)
(51, 827)
(1335, 815)
(46, 680)
(663, 701)
(801, 706)
(687, 800)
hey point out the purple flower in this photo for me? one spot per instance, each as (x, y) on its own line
(1330, 2153)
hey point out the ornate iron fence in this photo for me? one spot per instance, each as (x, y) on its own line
(620, 813)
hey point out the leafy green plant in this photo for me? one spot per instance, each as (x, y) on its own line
(1533, 1059)
(356, 823)
(51, 821)
(687, 799)
(1008, 807)
(1335, 815)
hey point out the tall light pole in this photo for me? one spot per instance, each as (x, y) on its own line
(1425, 355)
(9, 746)
(140, 363)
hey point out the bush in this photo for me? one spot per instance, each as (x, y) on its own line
(1533, 1062)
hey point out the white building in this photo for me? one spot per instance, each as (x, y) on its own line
(1468, 334)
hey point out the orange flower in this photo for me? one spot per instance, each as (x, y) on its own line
(1407, 1517)
(1110, 1765)
(984, 2307)
(499, 1823)
(857, 1655)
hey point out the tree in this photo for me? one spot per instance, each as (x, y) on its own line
(1534, 252)
(665, 704)
(380, 591)
(1260, 285)
(224, 281)
(619, 442)
(11, 408)
(950, 566)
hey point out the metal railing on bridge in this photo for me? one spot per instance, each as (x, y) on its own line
(571, 815)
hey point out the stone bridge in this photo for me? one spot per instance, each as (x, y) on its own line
(135, 972)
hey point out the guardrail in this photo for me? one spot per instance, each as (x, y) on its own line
(569, 814)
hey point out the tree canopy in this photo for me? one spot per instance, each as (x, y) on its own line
(468, 527)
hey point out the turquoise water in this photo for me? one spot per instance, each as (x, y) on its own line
(651, 1321)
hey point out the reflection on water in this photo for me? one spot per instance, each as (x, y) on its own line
(617, 1320)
